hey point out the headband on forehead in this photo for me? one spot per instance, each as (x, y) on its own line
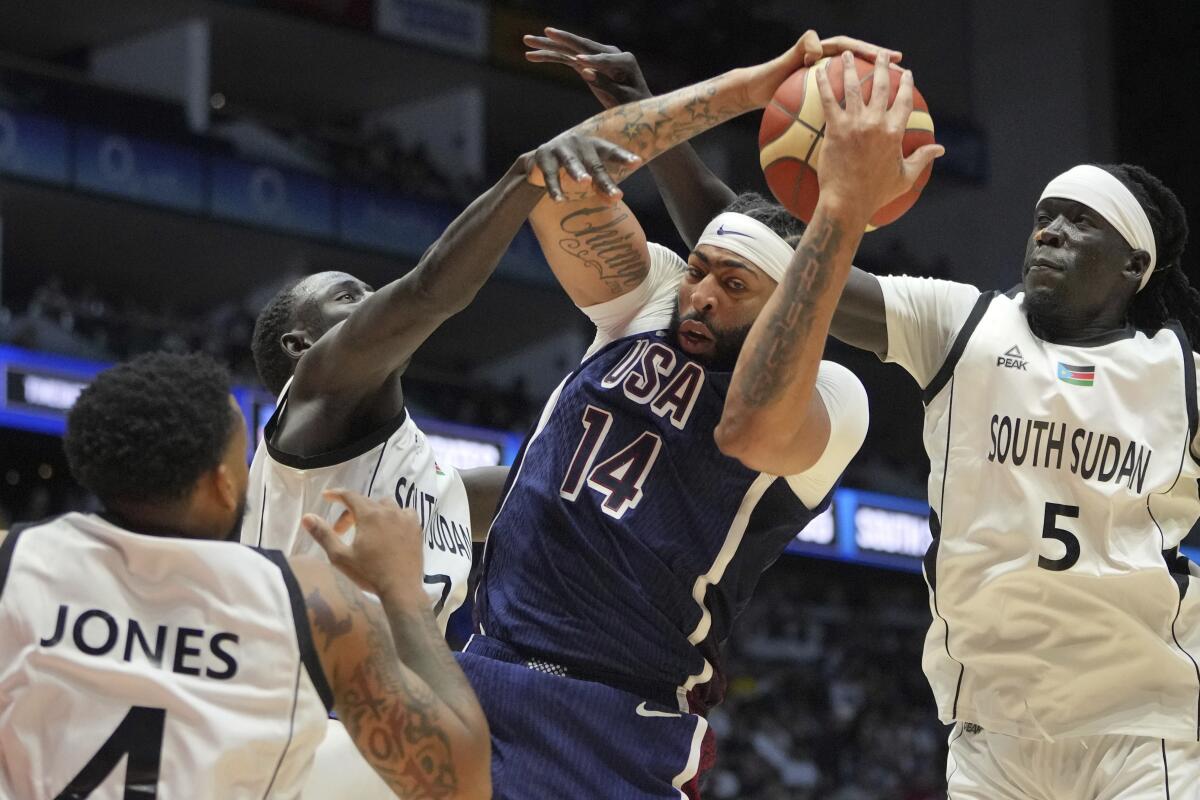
(1101, 191)
(750, 239)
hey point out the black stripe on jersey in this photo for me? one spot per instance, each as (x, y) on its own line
(1166, 772)
(1170, 556)
(929, 560)
(958, 734)
(262, 517)
(956, 350)
(308, 653)
(1189, 379)
(374, 474)
(6, 552)
(291, 731)
(338, 455)
(941, 512)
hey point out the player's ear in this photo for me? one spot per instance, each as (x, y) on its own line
(294, 343)
(224, 487)
(1138, 263)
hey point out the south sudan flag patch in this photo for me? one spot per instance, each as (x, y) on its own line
(1075, 375)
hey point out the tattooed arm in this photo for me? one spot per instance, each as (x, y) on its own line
(397, 688)
(594, 244)
(773, 419)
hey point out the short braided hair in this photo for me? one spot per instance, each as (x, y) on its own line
(146, 430)
(277, 317)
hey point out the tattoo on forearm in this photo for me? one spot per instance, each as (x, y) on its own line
(771, 364)
(396, 718)
(594, 237)
(650, 126)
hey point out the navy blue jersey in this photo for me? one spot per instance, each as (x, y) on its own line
(627, 543)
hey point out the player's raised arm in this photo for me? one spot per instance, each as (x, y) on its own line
(362, 351)
(396, 686)
(692, 192)
(595, 246)
(773, 419)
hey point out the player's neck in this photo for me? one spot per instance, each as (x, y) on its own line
(162, 521)
(1072, 329)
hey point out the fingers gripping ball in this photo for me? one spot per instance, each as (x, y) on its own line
(792, 132)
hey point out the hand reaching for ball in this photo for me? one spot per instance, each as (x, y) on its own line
(808, 50)
(572, 166)
(863, 166)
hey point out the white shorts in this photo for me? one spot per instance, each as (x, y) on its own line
(991, 766)
(339, 771)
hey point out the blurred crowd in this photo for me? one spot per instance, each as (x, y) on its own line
(81, 322)
(826, 699)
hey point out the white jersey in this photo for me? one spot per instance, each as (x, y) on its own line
(135, 665)
(1061, 484)
(395, 462)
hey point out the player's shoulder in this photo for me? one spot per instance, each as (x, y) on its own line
(846, 402)
(923, 287)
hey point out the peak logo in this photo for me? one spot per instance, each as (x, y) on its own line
(1012, 359)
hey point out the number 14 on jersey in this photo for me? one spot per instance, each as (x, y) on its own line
(619, 478)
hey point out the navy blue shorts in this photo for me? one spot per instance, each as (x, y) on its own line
(555, 736)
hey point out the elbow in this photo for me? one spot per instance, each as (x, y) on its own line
(762, 447)
(741, 439)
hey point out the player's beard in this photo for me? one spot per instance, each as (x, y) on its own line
(727, 342)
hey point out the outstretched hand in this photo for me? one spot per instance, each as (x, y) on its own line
(862, 161)
(387, 553)
(808, 50)
(611, 73)
(572, 165)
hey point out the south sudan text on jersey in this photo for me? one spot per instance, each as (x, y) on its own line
(441, 534)
(1047, 444)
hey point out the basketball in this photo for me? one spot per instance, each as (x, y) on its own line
(793, 128)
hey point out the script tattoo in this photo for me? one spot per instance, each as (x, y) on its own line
(771, 363)
(395, 718)
(594, 236)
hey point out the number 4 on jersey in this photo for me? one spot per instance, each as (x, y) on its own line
(140, 736)
(621, 476)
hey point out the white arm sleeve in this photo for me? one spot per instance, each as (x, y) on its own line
(846, 403)
(923, 317)
(646, 308)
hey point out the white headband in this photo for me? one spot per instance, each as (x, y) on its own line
(752, 240)
(1102, 192)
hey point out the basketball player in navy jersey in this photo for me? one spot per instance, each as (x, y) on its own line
(648, 501)
(1061, 425)
(139, 648)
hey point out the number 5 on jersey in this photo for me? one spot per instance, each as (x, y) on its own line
(1050, 530)
(618, 478)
